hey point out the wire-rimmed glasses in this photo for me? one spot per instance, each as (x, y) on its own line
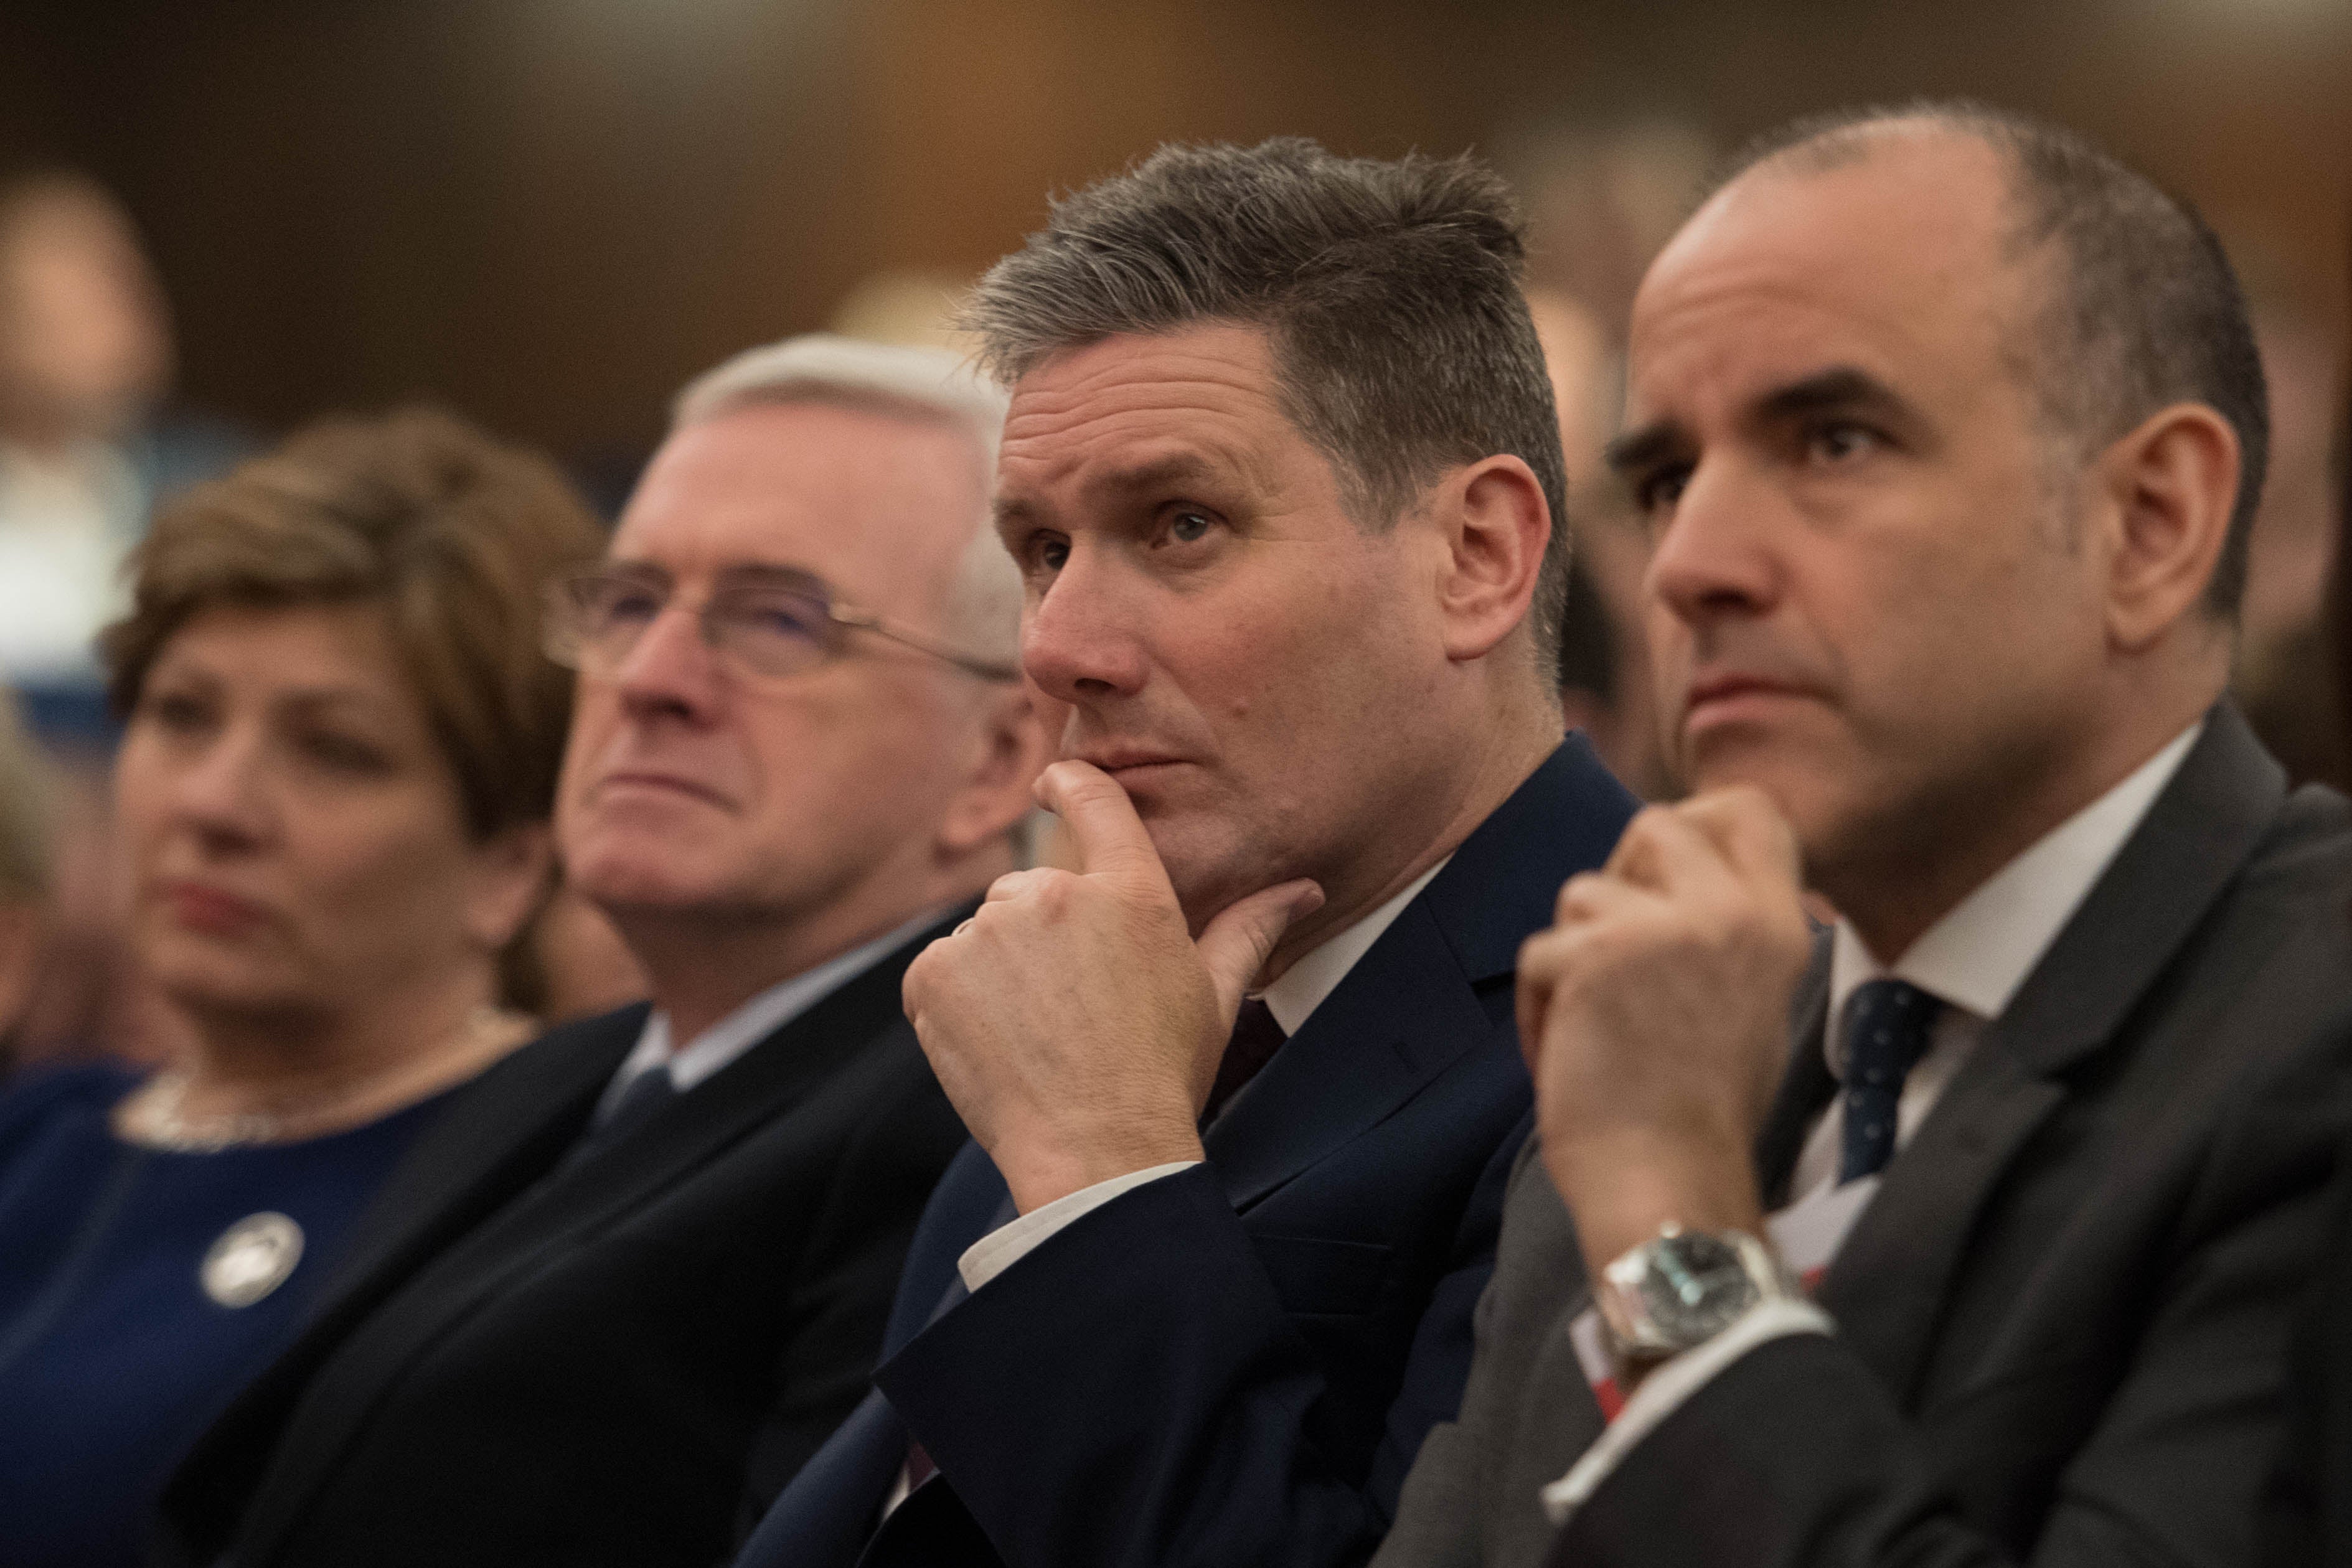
(768, 620)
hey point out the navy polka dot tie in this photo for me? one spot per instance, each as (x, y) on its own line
(1887, 1027)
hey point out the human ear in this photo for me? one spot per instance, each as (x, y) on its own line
(513, 871)
(2170, 487)
(1007, 750)
(1497, 525)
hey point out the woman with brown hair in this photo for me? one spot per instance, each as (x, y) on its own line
(340, 750)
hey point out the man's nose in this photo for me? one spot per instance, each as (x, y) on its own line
(671, 669)
(1717, 555)
(1082, 639)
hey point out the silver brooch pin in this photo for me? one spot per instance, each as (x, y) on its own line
(251, 1258)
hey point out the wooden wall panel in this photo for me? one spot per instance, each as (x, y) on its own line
(551, 212)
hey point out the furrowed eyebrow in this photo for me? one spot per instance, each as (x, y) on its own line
(1182, 468)
(1840, 389)
(1011, 513)
(1638, 450)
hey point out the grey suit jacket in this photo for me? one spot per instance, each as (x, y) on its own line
(2060, 1323)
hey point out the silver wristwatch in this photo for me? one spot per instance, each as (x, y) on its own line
(1682, 1288)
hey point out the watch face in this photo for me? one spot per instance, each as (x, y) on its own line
(1695, 1286)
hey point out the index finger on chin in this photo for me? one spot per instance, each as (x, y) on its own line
(1109, 837)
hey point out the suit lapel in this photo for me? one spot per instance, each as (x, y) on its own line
(521, 1238)
(1890, 1277)
(1413, 1005)
(501, 1135)
(747, 1094)
(1401, 1016)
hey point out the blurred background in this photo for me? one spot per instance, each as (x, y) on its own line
(221, 218)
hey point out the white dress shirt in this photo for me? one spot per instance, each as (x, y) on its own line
(752, 1022)
(1974, 960)
(1292, 999)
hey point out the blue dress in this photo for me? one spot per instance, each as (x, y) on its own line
(127, 1322)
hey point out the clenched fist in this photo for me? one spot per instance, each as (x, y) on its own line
(1654, 1018)
(1074, 1021)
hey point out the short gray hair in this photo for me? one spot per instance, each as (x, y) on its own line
(1389, 291)
(984, 606)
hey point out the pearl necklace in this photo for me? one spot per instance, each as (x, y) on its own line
(155, 1114)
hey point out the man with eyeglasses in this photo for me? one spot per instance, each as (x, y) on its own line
(640, 1270)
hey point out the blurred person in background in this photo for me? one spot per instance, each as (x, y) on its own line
(87, 450)
(1592, 694)
(2288, 662)
(85, 359)
(640, 1272)
(25, 806)
(341, 743)
(1600, 203)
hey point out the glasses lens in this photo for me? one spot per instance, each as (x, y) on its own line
(772, 632)
(598, 619)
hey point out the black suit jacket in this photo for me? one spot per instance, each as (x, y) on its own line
(2309, 1516)
(2061, 1322)
(1234, 1365)
(617, 1359)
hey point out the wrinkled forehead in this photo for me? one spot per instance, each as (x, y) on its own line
(1900, 262)
(879, 504)
(1132, 412)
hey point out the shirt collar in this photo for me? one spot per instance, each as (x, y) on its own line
(1981, 951)
(1317, 974)
(756, 1020)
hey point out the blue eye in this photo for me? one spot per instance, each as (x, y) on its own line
(1185, 527)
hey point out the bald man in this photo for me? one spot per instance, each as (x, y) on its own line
(1948, 429)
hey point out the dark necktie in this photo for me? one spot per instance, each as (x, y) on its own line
(647, 1093)
(1887, 1023)
(1256, 1037)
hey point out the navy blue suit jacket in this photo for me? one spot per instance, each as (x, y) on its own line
(1234, 1364)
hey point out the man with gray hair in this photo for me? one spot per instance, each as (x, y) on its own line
(1280, 472)
(639, 1271)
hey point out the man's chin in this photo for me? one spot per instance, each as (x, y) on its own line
(627, 886)
(1206, 889)
(1801, 786)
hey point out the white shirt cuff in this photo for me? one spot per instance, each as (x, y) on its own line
(1670, 1383)
(998, 1251)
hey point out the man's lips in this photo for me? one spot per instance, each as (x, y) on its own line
(1128, 761)
(201, 906)
(1730, 694)
(669, 783)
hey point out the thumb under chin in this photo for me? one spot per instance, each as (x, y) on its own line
(1236, 943)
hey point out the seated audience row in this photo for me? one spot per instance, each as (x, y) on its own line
(1382, 1143)
(629, 1282)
